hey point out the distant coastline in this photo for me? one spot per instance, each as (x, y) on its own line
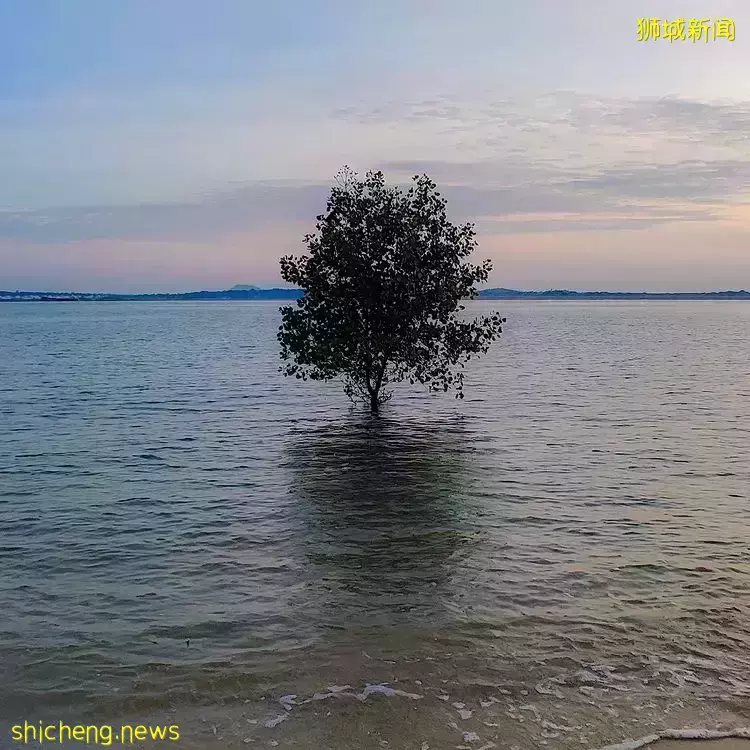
(255, 293)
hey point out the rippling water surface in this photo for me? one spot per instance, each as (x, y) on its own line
(560, 559)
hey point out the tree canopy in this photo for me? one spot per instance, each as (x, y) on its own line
(383, 282)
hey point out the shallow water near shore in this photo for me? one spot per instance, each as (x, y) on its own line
(560, 559)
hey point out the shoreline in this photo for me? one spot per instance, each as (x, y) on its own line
(706, 739)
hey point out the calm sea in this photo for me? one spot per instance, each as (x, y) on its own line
(559, 560)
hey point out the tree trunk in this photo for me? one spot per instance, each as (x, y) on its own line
(375, 391)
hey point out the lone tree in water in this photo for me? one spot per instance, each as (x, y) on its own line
(383, 283)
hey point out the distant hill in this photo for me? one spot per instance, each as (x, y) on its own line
(567, 294)
(247, 292)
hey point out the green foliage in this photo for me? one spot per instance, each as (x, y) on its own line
(383, 282)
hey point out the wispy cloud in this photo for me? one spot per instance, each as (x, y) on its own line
(249, 208)
(599, 163)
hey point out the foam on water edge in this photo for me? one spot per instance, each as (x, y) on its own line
(514, 710)
(681, 734)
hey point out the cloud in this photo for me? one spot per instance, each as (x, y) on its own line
(573, 129)
(691, 179)
(724, 123)
(593, 203)
(255, 207)
(562, 161)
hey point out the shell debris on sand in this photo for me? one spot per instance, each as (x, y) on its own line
(287, 701)
(385, 689)
(271, 723)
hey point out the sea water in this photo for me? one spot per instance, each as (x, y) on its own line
(560, 559)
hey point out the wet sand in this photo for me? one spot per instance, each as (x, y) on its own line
(729, 744)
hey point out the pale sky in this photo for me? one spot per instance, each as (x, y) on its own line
(176, 145)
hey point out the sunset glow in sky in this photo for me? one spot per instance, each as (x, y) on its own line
(185, 144)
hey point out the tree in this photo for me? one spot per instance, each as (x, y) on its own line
(383, 283)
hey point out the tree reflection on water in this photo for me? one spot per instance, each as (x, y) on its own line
(384, 517)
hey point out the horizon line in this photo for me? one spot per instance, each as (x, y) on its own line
(239, 288)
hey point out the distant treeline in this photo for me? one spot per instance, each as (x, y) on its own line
(289, 294)
(227, 294)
